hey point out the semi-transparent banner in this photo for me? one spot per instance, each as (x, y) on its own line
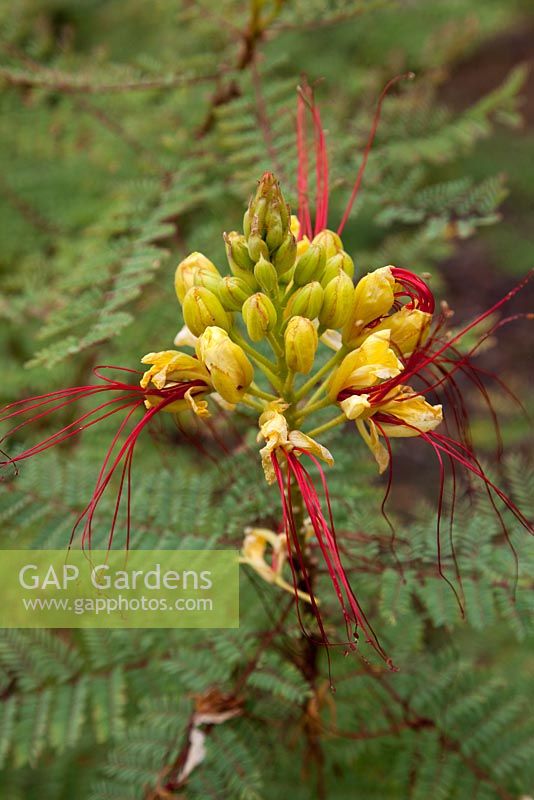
(119, 589)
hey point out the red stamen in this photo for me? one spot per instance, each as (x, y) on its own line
(369, 145)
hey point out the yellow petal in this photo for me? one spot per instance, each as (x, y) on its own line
(172, 366)
(356, 405)
(303, 442)
(198, 407)
(409, 329)
(373, 298)
(372, 441)
(370, 363)
(414, 410)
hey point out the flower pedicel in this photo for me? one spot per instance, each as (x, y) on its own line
(255, 336)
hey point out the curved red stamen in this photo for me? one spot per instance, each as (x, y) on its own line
(126, 397)
(415, 288)
(368, 146)
(323, 527)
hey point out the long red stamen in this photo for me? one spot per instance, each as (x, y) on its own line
(129, 397)
(369, 145)
(304, 216)
(325, 535)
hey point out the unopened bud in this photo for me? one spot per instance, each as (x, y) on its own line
(257, 248)
(260, 316)
(230, 370)
(301, 342)
(201, 308)
(274, 227)
(340, 261)
(284, 258)
(266, 275)
(194, 266)
(338, 301)
(237, 251)
(310, 266)
(329, 241)
(267, 219)
(306, 301)
(233, 292)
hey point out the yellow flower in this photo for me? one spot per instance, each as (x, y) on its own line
(230, 370)
(373, 298)
(370, 363)
(414, 413)
(274, 429)
(409, 329)
(253, 554)
(170, 368)
(410, 413)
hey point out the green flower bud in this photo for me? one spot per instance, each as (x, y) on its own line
(306, 301)
(284, 258)
(189, 270)
(233, 292)
(338, 301)
(257, 248)
(265, 274)
(237, 251)
(310, 266)
(274, 227)
(267, 219)
(301, 342)
(329, 241)
(208, 280)
(201, 308)
(341, 261)
(259, 315)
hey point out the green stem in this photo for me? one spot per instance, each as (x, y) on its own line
(311, 408)
(288, 385)
(277, 349)
(238, 339)
(320, 373)
(253, 404)
(327, 425)
(255, 390)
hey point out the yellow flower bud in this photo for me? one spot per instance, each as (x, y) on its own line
(260, 316)
(338, 301)
(373, 299)
(329, 241)
(257, 248)
(340, 261)
(202, 308)
(230, 370)
(233, 292)
(306, 301)
(301, 342)
(274, 227)
(188, 271)
(237, 251)
(310, 266)
(266, 276)
(284, 258)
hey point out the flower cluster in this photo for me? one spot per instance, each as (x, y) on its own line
(289, 333)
